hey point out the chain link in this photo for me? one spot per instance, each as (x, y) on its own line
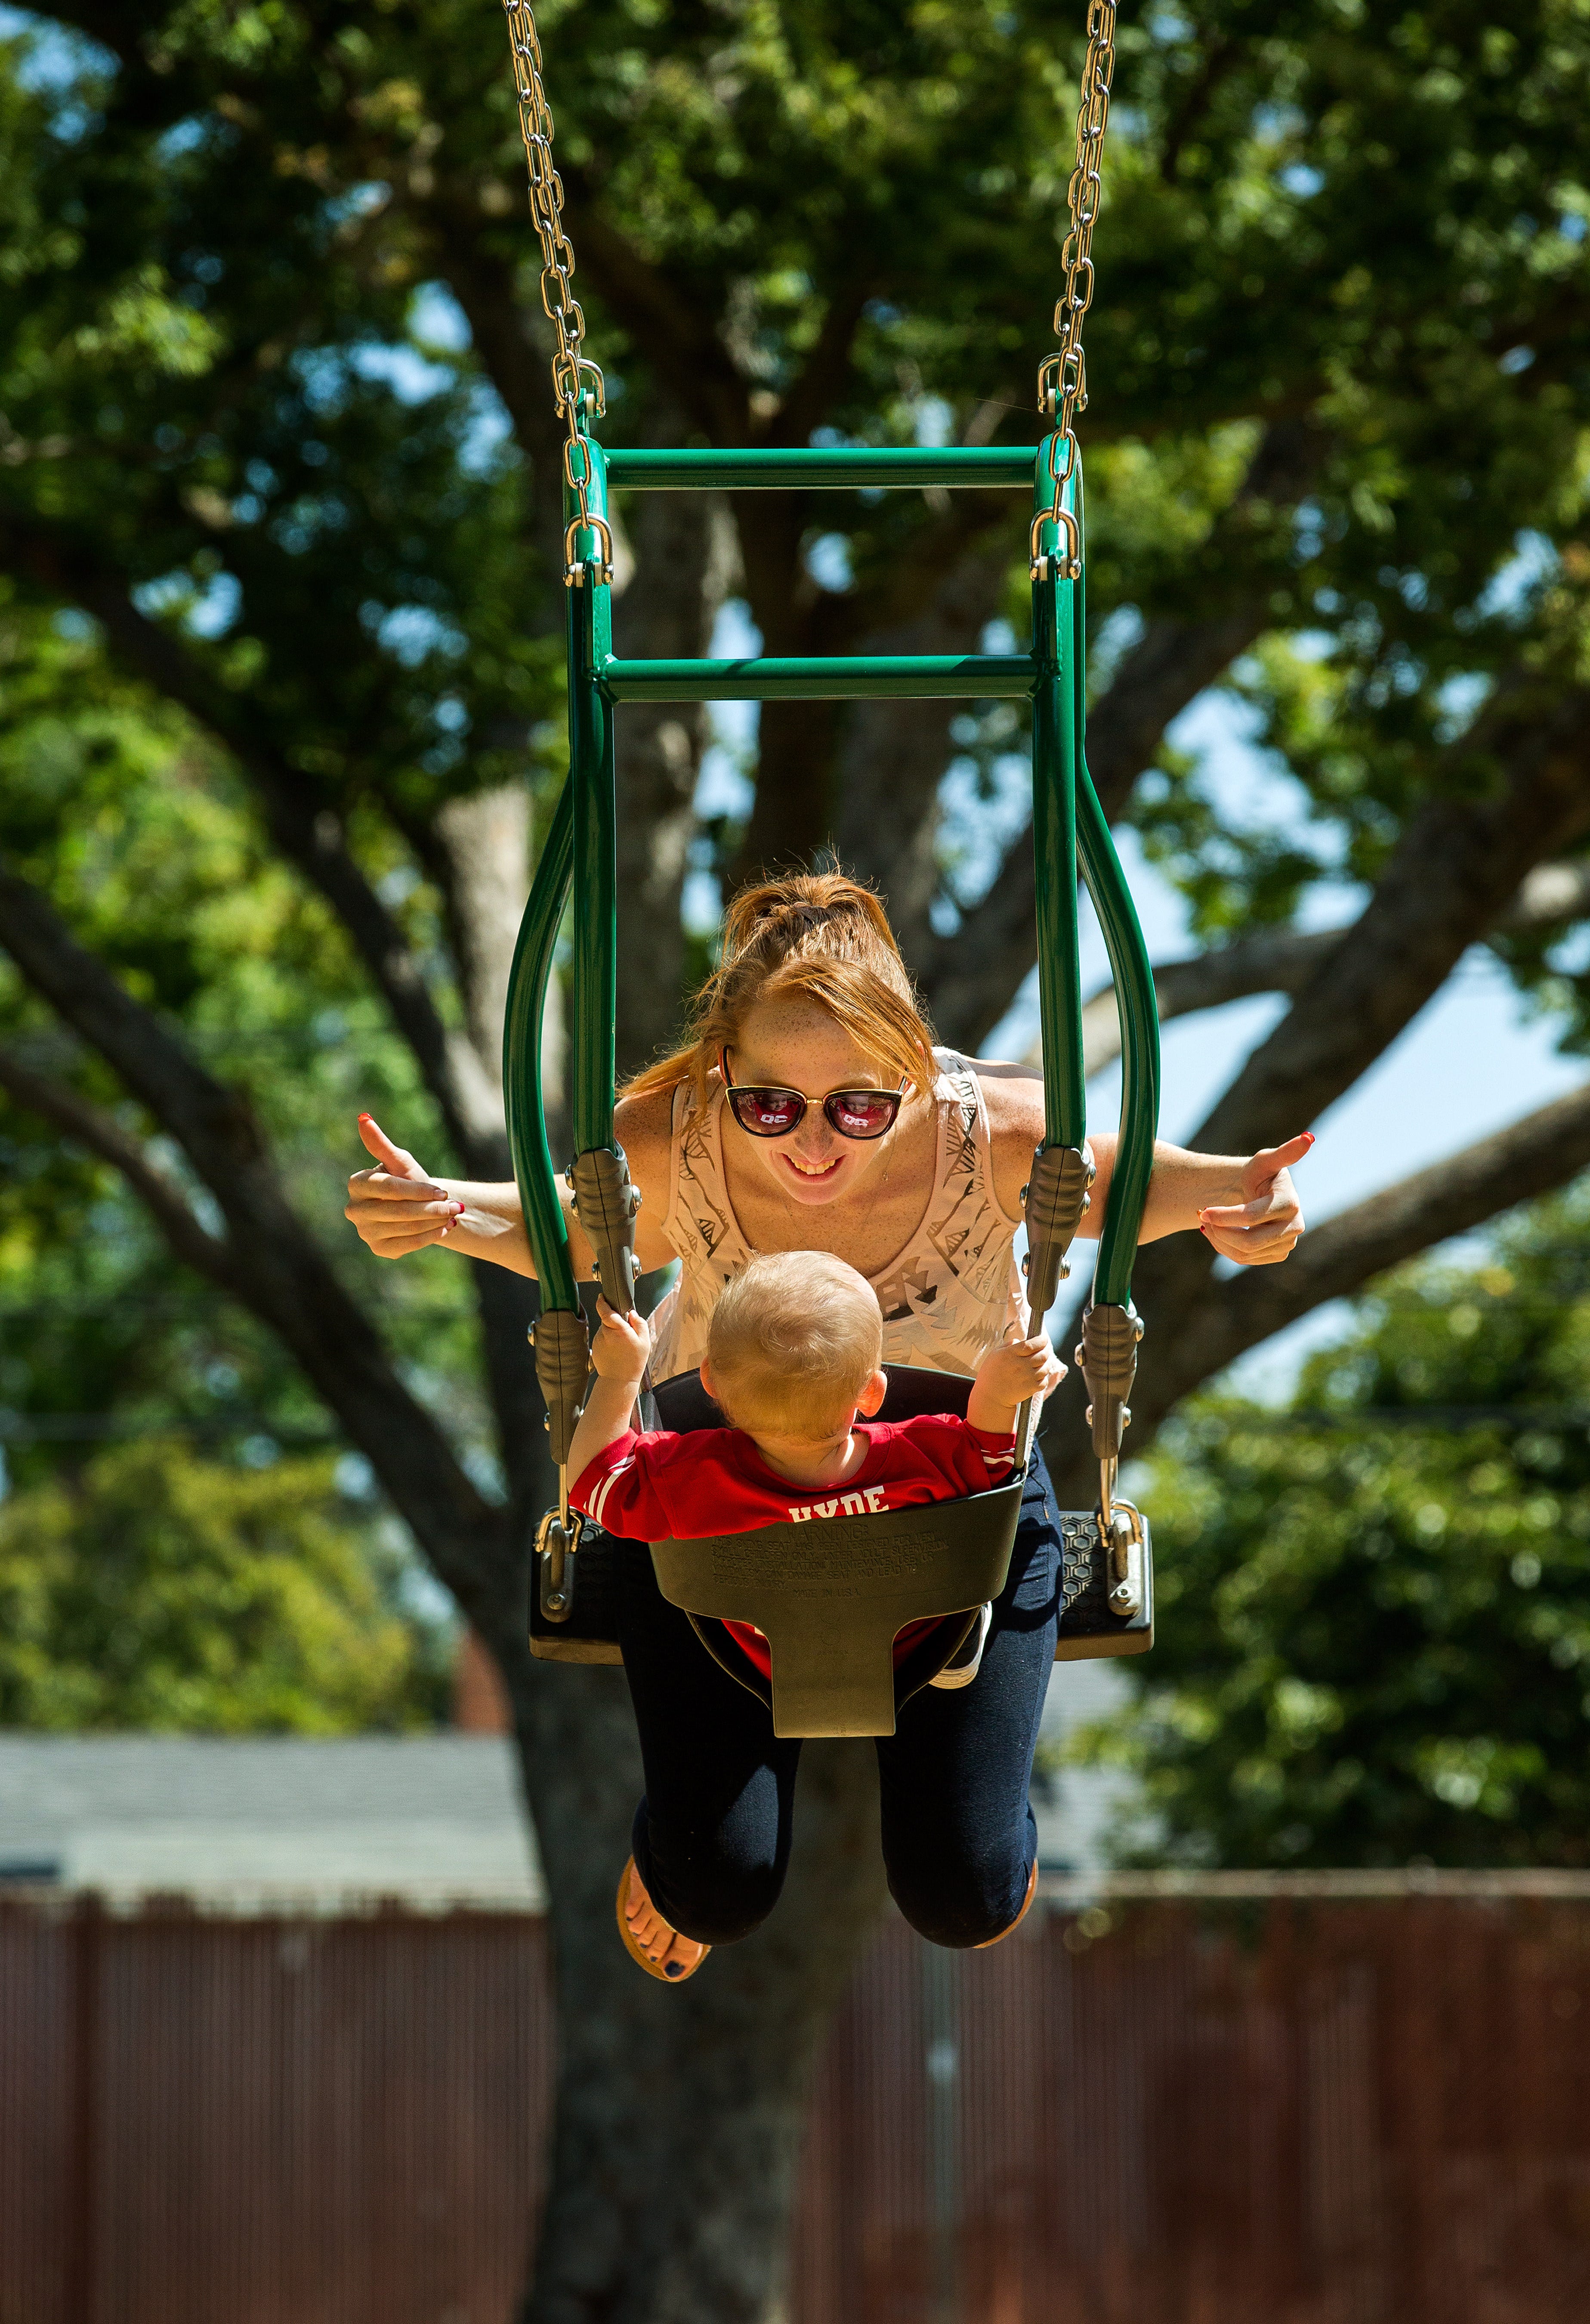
(575, 381)
(1063, 377)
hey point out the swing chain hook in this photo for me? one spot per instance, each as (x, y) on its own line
(577, 383)
(1063, 377)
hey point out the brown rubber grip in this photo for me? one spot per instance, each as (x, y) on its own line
(563, 1361)
(1055, 1199)
(605, 1204)
(1107, 1355)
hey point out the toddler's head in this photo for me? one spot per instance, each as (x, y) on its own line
(794, 1341)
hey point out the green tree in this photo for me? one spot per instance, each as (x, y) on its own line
(1375, 1608)
(279, 523)
(159, 1590)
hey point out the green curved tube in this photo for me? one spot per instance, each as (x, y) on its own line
(1135, 1006)
(593, 780)
(1057, 712)
(522, 1094)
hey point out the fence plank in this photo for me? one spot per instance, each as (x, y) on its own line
(1264, 2108)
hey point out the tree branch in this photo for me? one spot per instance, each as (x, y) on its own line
(822, 377)
(307, 831)
(1462, 864)
(1282, 961)
(505, 339)
(892, 755)
(1531, 1156)
(89, 1126)
(1175, 660)
(1279, 962)
(971, 979)
(1456, 868)
(665, 317)
(280, 1273)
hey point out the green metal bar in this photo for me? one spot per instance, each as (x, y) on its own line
(1136, 1006)
(813, 677)
(522, 1060)
(1057, 709)
(592, 774)
(764, 469)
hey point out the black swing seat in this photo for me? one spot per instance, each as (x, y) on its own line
(830, 1594)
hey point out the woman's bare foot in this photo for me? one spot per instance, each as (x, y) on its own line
(657, 1946)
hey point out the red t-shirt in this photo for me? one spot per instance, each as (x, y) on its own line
(666, 1487)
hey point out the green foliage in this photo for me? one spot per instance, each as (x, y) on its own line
(157, 1589)
(1373, 1611)
(275, 455)
(248, 254)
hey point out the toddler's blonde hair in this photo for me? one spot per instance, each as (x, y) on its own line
(794, 1338)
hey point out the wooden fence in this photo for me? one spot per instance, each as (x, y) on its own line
(1292, 2104)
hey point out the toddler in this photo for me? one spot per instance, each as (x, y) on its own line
(793, 1363)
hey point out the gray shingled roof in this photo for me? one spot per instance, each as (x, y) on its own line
(432, 1820)
(245, 1823)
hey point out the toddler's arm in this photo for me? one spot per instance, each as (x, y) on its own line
(619, 1351)
(1007, 1377)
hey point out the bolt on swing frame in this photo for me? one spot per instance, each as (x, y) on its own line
(1069, 829)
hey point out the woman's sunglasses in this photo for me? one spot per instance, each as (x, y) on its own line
(775, 1112)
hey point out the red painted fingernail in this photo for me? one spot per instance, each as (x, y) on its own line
(458, 1210)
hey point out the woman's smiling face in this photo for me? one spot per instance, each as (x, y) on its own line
(794, 1045)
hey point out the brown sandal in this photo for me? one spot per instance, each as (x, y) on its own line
(1025, 1908)
(632, 1945)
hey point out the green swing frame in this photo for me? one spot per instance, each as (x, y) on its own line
(820, 1690)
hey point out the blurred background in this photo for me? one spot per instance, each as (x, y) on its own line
(280, 730)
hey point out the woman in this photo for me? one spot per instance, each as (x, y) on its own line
(811, 1001)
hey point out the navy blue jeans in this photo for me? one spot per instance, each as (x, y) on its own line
(713, 1832)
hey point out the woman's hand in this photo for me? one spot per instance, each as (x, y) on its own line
(396, 1208)
(1262, 1228)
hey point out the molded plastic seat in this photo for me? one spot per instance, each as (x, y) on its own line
(829, 1594)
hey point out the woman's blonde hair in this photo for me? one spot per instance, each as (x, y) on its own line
(794, 1338)
(814, 936)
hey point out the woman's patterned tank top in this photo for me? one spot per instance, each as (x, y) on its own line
(951, 1294)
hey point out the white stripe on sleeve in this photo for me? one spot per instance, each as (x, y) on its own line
(599, 1498)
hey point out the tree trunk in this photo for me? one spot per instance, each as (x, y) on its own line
(680, 2110)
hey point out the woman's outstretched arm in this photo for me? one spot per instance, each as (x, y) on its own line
(1245, 1205)
(397, 1207)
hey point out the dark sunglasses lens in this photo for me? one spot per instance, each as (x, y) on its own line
(766, 1112)
(862, 1113)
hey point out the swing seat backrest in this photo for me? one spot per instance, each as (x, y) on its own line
(829, 1593)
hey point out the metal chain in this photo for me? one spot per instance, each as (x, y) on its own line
(1063, 377)
(574, 379)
